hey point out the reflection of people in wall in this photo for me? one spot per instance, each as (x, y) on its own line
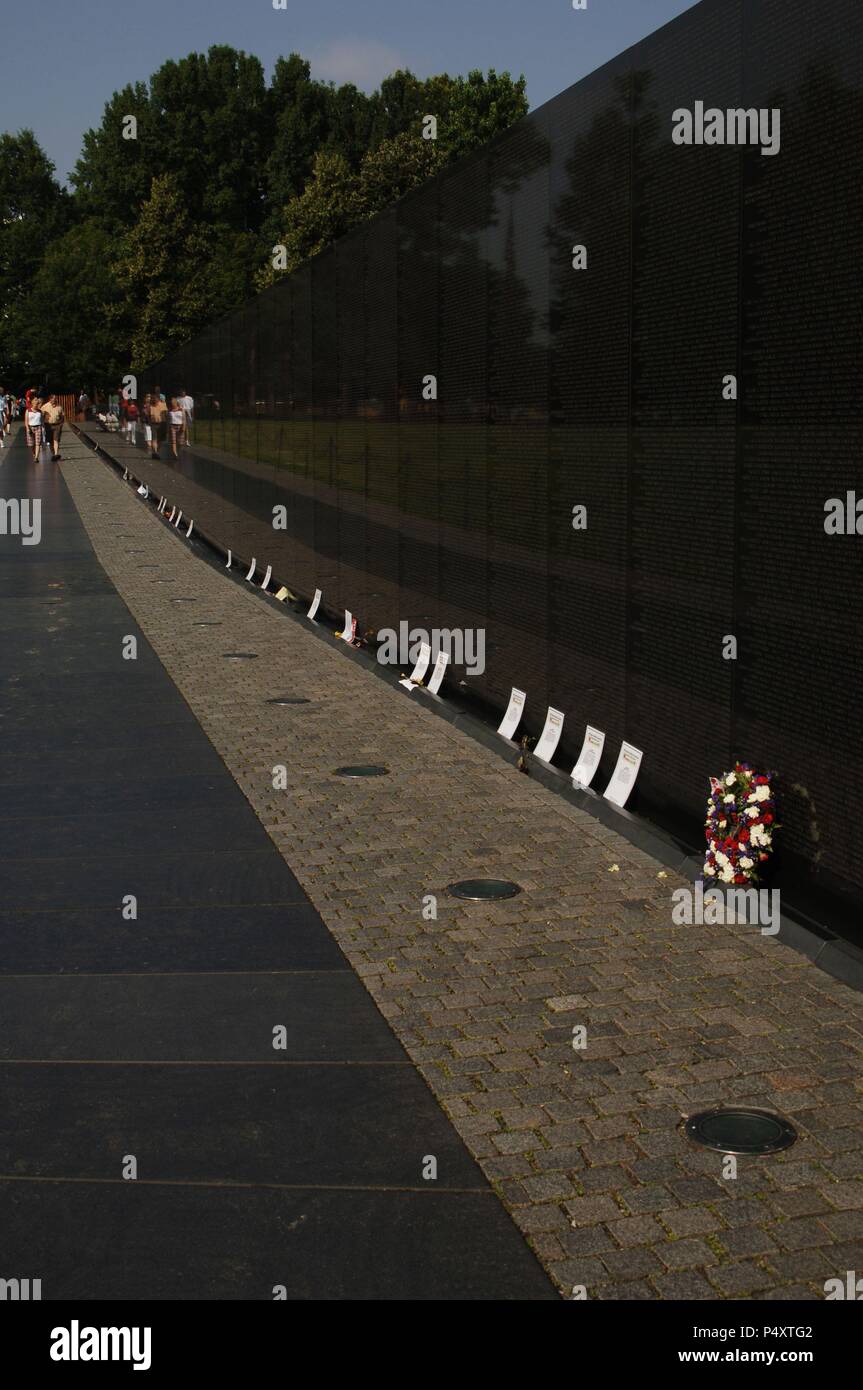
(178, 422)
(187, 405)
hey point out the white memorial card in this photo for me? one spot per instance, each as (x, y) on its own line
(267, 577)
(588, 759)
(315, 604)
(437, 675)
(189, 532)
(179, 518)
(228, 565)
(252, 567)
(550, 736)
(514, 710)
(624, 775)
(422, 665)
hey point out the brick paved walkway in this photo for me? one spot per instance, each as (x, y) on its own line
(583, 1146)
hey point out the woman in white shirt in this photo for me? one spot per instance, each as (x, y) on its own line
(34, 424)
(177, 417)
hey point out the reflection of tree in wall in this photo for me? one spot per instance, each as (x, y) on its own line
(519, 361)
(807, 300)
(594, 211)
(471, 195)
(800, 394)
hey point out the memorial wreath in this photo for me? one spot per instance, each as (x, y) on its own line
(741, 819)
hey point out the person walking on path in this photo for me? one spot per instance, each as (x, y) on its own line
(132, 421)
(147, 422)
(27, 431)
(178, 421)
(34, 425)
(159, 421)
(53, 420)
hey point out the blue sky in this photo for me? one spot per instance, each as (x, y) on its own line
(93, 47)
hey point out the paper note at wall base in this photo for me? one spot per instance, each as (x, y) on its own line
(514, 711)
(422, 665)
(437, 675)
(624, 775)
(588, 759)
(550, 736)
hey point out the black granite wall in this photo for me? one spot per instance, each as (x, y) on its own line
(600, 387)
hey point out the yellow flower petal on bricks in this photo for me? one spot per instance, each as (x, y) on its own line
(614, 869)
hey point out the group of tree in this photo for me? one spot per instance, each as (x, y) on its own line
(173, 215)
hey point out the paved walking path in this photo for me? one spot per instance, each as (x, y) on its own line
(147, 1043)
(583, 1147)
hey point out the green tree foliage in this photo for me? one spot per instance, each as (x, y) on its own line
(177, 273)
(394, 168)
(75, 331)
(480, 107)
(178, 223)
(33, 211)
(299, 110)
(469, 112)
(325, 209)
(205, 120)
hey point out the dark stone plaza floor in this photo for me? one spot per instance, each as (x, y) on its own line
(152, 1039)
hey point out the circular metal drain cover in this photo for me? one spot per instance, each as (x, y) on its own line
(479, 890)
(289, 700)
(240, 656)
(363, 770)
(740, 1130)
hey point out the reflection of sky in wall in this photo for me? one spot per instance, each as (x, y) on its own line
(95, 48)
